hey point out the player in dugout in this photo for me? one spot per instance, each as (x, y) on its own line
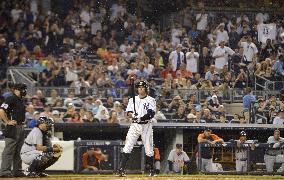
(91, 160)
(206, 153)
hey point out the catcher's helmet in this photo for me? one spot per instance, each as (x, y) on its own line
(243, 133)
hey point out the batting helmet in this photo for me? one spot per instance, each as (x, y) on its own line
(42, 120)
(143, 84)
(243, 133)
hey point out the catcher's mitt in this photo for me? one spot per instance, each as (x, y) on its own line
(57, 154)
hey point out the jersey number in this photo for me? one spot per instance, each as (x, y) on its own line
(4, 106)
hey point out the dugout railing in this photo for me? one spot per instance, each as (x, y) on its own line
(254, 161)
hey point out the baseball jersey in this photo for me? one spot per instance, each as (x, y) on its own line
(141, 105)
(241, 153)
(35, 137)
(272, 140)
(178, 160)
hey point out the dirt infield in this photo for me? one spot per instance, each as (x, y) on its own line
(160, 177)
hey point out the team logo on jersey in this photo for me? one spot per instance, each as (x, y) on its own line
(146, 106)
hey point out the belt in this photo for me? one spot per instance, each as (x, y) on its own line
(140, 122)
(270, 154)
(243, 159)
(28, 144)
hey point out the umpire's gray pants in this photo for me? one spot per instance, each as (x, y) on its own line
(11, 153)
(269, 162)
(206, 165)
(241, 166)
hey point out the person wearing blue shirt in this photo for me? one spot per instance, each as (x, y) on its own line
(277, 67)
(248, 98)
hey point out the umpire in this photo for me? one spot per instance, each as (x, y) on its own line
(12, 112)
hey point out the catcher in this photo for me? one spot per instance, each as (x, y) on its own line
(37, 150)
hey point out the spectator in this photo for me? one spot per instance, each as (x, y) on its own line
(36, 102)
(102, 114)
(221, 34)
(76, 118)
(70, 112)
(176, 58)
(248, 99)
(46, 111)
(180, 113)
(221, 54)
(89, 118)
(207, 116)
(176, 103)
(210, 73)
(53, 98)
(56, 116)
(250, 49)
(192, 59)
(198, 118)
(109, 103)
(29, 112)
(280, 118)
(33, 122)
(202, 20)
(277, 68)
(113, 117)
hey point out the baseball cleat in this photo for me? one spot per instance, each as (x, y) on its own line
(152, 173)
(120, 173)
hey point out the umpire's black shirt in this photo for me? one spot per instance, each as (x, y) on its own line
(15, 109)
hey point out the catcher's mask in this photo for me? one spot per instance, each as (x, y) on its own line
(45, 120)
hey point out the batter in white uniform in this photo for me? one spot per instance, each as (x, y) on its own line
(141, 115)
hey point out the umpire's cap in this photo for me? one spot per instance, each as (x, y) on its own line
(243, 133)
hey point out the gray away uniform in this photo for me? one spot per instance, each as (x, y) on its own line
(241, 159)
(178, 160)
(270, 155)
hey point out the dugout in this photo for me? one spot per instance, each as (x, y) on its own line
(166, 135)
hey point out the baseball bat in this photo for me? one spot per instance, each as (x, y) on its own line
(133, 94)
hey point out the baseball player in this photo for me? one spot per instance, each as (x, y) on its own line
(178, 160)
(242, 152)
(206, 153)
(37, 150)
(275, 143)
(141, 109)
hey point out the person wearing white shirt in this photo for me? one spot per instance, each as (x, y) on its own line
(192, 61)
(221, 34)
(201, 20)
(250, 49)
(280, 118)
(85, 16)
(176, 58)
(221, 55)
(128, 55)
(261, 17)
(176, 33)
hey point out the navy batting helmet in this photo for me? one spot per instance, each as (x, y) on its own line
(42, 120)
(143, 84)
(243, 133)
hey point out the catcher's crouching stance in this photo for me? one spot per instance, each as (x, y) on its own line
(37, 150)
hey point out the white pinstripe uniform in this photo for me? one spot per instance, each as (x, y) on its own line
(143, 130)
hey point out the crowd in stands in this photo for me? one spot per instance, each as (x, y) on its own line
(198, 52)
